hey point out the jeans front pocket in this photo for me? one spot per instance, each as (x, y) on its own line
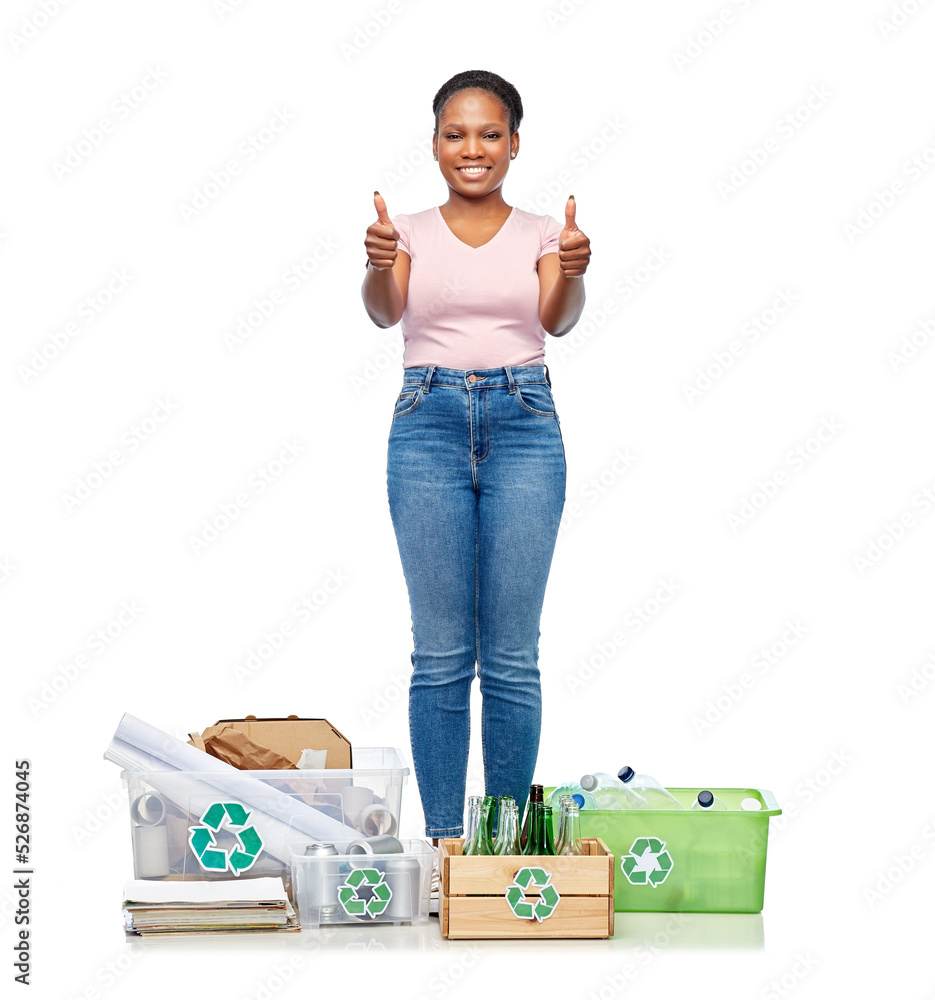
(536, 397)
(406, 402)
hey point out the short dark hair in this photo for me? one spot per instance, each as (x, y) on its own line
(481, 79)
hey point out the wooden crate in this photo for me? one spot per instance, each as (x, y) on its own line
(473, 894)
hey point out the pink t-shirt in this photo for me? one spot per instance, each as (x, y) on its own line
(474, 307)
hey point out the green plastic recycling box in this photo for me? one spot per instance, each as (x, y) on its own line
(687, 860)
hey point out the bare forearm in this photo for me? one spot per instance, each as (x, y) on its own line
(563, 305)
(382, 297)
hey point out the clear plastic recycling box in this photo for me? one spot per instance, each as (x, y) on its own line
(240, 824)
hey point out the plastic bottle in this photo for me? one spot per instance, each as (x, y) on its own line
(610, 792)
(707, 801)
(584, 800)
(650, 789)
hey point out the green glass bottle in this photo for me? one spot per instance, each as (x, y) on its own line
(539, 840)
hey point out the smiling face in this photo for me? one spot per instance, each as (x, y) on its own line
(473, 143)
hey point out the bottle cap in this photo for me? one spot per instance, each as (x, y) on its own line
(625, 773)
(705, 798)
(579, 800)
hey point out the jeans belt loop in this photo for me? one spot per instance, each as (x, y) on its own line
(509, 375)
(428, 378)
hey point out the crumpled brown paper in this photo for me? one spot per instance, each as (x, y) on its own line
(239, 750)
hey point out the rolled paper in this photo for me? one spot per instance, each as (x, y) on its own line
(150, 851)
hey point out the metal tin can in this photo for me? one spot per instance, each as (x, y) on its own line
(383, 844)
(403, 876)
(319, 850)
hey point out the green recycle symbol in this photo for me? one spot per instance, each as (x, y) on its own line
(648, 862)
(532, 878)
(209, 855)
(381, 893)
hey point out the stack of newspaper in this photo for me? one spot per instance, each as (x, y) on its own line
(219, 906)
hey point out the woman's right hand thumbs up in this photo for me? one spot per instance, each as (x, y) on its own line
(381, 237)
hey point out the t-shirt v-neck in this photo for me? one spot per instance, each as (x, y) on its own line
(474, 307)
(503, 226)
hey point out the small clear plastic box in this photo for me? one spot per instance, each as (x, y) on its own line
(363, 888)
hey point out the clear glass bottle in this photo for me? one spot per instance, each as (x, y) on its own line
(508, 830)
(473, 819)
(707, 801)
(563, 800)
(503, 805)
(481, 842)
(571, 843)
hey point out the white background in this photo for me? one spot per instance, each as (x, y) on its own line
(839, 725)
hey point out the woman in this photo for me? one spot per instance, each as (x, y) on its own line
(475, 461)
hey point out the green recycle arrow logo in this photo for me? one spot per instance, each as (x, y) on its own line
(539, 908)
(380, 893)
(648, 862)
(204, 846)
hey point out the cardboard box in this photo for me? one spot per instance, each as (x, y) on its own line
(291, 735)
(506, 896)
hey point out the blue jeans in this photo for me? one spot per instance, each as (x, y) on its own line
(475, 476)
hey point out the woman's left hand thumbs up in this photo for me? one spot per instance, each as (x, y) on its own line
(574, 248)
